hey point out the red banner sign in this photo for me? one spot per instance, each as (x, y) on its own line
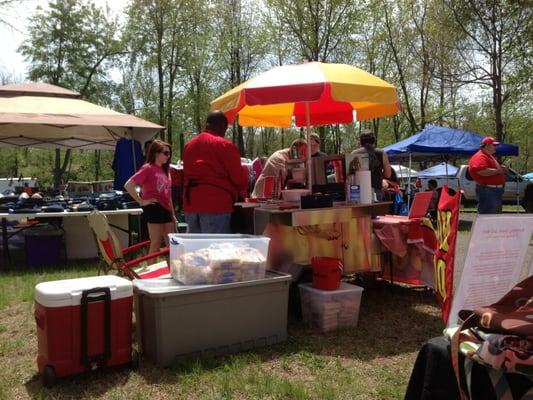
(447, 224)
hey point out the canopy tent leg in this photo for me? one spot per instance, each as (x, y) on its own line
(446, 167)
(133, 150)
(409, 182)
(518, 188)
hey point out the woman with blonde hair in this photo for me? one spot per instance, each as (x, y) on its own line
(156, 199)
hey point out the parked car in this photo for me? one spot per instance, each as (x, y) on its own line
(515, 185)
(403, 172)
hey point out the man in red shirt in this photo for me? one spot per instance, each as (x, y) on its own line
(489, 176)
(213, 178)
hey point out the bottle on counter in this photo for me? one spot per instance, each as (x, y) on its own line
(353, 191)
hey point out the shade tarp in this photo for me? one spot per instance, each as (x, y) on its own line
(37, 115)
(439, 140)
(442, 169)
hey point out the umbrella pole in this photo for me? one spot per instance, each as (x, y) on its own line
(309, 165)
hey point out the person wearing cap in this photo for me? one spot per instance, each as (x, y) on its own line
(489, 176)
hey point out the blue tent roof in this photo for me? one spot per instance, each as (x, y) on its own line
(446, 141)
(439, 170)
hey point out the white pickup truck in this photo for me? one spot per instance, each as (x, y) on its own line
(515, 185)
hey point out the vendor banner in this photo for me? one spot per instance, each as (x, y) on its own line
(447, 224)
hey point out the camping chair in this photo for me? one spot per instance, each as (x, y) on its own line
(114, 257)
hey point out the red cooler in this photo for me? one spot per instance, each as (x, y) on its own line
(82, 324)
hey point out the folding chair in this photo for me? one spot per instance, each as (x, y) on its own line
(114, 257)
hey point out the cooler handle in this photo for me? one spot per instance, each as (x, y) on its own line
(89, 296)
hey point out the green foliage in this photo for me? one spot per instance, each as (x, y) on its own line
(69, 45)
(173, 57)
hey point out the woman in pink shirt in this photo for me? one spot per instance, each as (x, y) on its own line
(155, 199)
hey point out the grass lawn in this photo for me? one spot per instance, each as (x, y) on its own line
(372, 361)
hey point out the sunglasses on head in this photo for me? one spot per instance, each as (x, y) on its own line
(166, 153)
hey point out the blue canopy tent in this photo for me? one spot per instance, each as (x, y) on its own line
(442, 169)
(442, 141)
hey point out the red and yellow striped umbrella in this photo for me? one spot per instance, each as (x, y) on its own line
(312, 93)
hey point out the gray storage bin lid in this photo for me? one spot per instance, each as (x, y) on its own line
(45, 230)
(163, 287)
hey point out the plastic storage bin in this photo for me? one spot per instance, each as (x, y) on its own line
(327, 310)
(175, 321)
(200, 259)
(82, 324)
(43, 245)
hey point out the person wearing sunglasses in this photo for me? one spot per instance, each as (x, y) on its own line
(156, 199)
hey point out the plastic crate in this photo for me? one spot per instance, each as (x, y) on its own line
(327, 310)
(43, 245)
(200, 259)
(175, 321)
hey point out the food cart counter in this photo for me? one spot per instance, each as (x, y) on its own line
(343, 231)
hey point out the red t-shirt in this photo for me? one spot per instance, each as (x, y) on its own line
(480, 161)
(155, 184)
(213, 174)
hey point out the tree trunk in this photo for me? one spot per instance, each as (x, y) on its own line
(497, 100)
(97, 168)
(403, 84)
(182, 144)
(60, 168)
(160, 74)
(240, 139)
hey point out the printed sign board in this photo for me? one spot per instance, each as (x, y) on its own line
(494, 260)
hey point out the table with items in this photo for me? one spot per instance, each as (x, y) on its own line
(405, 248)
(79, 239)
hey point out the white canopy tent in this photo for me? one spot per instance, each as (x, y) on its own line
(47, 116)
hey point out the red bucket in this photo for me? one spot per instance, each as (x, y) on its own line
(327, 273)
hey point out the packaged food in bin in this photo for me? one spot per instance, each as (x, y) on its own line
(328, 310)
(198, 272)
(197, 259)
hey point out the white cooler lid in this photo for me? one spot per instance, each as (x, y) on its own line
(68, 292)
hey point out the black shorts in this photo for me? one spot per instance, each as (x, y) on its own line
(156, 214)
